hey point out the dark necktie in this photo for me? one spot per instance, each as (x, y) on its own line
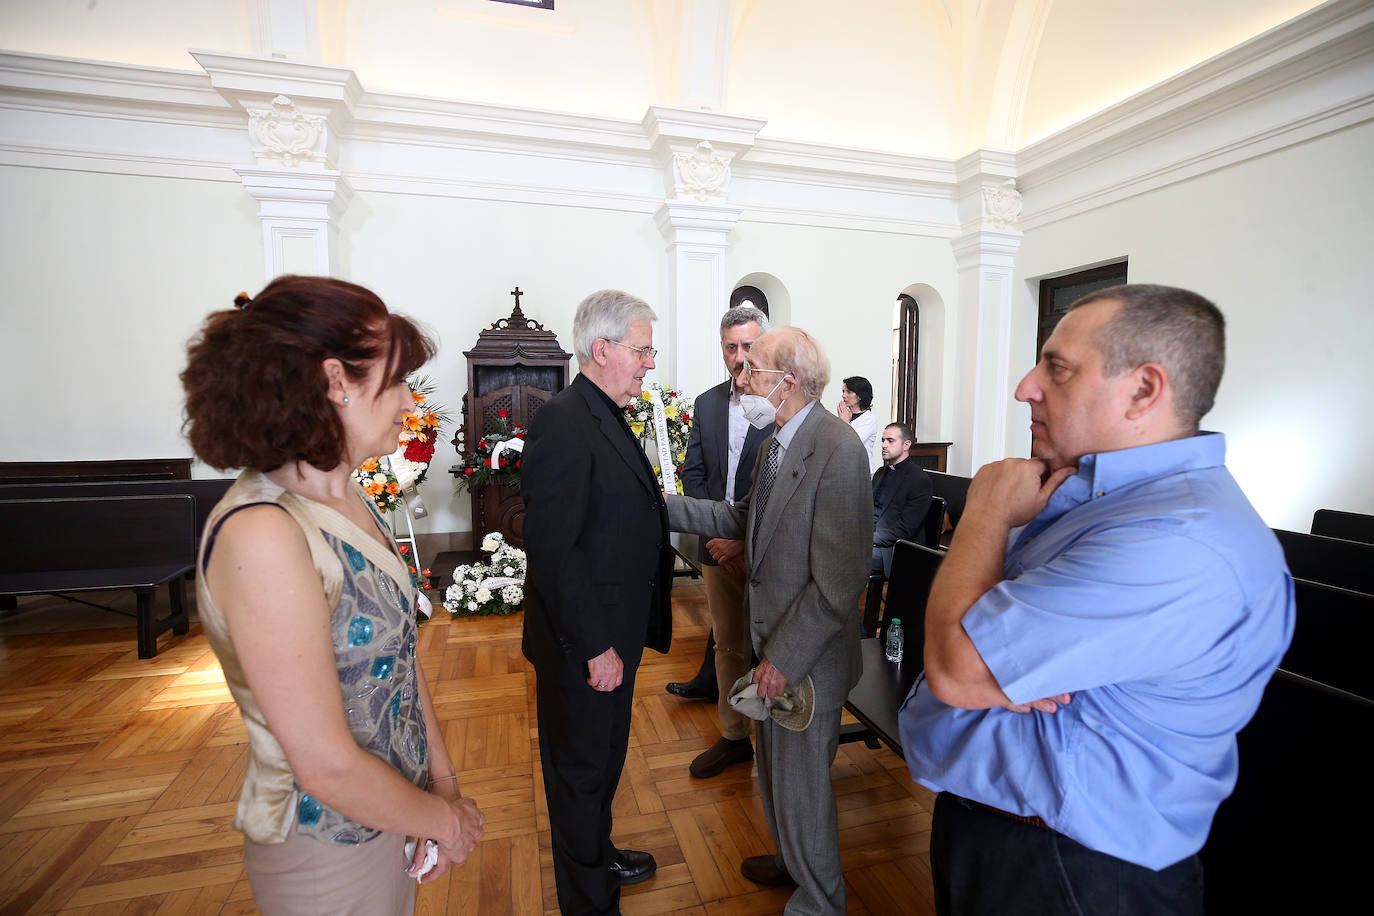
(770, 476)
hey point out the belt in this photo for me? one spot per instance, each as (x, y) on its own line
(1031, 819)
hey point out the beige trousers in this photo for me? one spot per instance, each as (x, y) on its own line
(304, 877)
(725, 598)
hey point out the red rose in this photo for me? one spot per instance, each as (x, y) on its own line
(417, 450)
(517, 462)
(503, 462)
(520, 436)
(482, 444)
(686, 418)
(469, 471)
(405, 549)
(503, 414)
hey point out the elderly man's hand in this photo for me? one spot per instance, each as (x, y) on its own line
(1014, 490)
(606, 671)
(770, 680)
(728, 552)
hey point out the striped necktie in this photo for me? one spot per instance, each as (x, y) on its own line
(770, 476)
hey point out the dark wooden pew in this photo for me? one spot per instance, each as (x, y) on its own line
(206, 493)
(873, 598)
(878, 696)
(1330, 561)
(56, 546)
(1349, 526)
(953, 489)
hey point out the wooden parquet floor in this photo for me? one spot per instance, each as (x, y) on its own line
(119, 778)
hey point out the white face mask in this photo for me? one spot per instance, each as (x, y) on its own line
(759, 411)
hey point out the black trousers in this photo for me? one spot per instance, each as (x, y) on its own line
(583, 735)
(986, 864)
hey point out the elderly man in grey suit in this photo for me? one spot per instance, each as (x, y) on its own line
(807, 525)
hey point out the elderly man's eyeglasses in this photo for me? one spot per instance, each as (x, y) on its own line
(645, 353)
(748, 371)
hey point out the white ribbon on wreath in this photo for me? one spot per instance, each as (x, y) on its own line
(514, 445)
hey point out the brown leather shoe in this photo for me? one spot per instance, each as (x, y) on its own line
(766, 870)
(720, 755)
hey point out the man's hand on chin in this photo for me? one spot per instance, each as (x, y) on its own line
(1014, 490)
(606, 671)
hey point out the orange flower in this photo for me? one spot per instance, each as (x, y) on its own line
(393, 488)
(431, 419)
(370, 464)
(373, 489)
(411, 422)
(417, 397)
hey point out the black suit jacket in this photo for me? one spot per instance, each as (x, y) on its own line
(596, 537)
(708, 453)
(903, 513)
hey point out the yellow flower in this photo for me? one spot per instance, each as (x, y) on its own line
(637, 428)
(670, 412)
(645, 396)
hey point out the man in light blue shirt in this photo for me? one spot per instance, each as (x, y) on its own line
(1104, 624)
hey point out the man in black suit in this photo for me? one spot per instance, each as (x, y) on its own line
(596, 592)
(721, 450)
(901, 497)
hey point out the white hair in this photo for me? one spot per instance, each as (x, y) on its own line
(797, 352)
(608, 314)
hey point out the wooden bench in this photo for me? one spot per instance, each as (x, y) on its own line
(1330, 561)
(1349, 526)
(56, 546)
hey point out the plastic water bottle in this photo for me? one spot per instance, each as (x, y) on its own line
(894, 640)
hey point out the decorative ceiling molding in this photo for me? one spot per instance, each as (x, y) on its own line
(1308, 77)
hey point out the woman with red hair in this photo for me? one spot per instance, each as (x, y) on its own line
(309, 606)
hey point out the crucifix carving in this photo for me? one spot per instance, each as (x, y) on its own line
(516, 313)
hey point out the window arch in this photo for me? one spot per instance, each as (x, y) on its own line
(750, 295)
(906, 340)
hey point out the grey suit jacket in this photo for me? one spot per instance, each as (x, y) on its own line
(815, 544)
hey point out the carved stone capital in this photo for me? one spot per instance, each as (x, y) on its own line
(1002, 205)
(285, 137)
(702, 175)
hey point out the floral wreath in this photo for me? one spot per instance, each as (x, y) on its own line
(496, 456)
(677, 411)
(405, 469)
(494, 587)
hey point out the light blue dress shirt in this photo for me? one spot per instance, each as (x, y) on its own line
(1151, 590)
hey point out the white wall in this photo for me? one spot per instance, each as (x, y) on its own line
(1281, 244)
(106, 278)
(842, 286)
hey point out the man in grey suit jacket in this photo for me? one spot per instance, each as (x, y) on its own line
(721, 451)
(807, 525)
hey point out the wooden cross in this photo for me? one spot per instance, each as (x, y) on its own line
(517, 294)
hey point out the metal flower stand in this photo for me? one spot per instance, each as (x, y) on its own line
(410, 505)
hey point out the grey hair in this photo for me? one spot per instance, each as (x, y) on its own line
(797, 352)
(1177, 328)
(743, 314)
(606, 313)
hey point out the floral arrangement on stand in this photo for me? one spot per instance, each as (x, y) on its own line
(389, 478)
(496, 456)
(494, 587)
(678, 412)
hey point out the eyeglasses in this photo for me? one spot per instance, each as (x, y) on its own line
(645, 353)
(749, 370)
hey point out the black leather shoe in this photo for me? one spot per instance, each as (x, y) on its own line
(691, 690)
(632, 866)
(765, 870)
(720, 755)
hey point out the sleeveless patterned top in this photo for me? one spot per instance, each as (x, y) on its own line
(373, 630)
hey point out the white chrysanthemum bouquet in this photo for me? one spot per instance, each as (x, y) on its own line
(494, 587)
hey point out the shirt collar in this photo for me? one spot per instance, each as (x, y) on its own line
(789, 429)
(1102, 473)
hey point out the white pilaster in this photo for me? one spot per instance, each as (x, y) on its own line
(985, 257)
(698, 290)
(298, 208)
(295, 112)
(695, 150)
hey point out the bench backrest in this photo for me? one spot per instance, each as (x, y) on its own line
(103, 532)
(205, 492)
(953, 489)
(913, 570)
(1331, 637)
(935, 523)
(1331, 561)
(1349, 526)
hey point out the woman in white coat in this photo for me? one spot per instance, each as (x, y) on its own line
(856, 401)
